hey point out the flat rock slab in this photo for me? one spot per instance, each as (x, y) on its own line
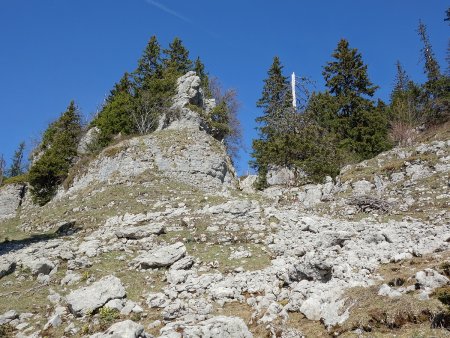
(89, 298)
(161, 257)
(139, 232)
(125, 329)
(220, 326)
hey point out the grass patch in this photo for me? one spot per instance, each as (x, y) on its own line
(21, 179)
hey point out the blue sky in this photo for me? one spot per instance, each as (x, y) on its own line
(53, 51)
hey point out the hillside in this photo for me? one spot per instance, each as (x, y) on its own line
(156, 237)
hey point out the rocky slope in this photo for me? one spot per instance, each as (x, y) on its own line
(154, 238)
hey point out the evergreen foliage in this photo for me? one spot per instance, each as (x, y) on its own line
(362, 127)
(338, 126)
(16, 168)
(436, 90)
(176, 58)
(275, 101)
(199, 69)
(59, 149)
(273, 147)
(115, 116)
(149, 65)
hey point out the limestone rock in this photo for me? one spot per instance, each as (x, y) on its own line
(188, 90)
(94, 296)
(161, 257)
(430, 279)
(188, 93)
(10, 199)
(139, 232)
(88, 140)
(280, 176)
(6, 267)
(189, 156)
(38, 265)
(248, 183)
(125, 329)
(8, 316)
(220, 326)
(386, 290)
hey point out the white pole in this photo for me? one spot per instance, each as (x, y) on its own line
(294, 99)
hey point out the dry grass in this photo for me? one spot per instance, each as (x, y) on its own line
(404, 316)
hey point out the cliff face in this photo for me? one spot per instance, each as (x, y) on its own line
(152, 237)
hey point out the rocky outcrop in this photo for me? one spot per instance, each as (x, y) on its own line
(87, 141)
(280, 176)
(10, 199)
(190, 156)
(189, 94)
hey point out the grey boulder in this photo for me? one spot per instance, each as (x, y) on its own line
(139, 232)
(221, 326)
(161, 257)
(6, 267)
(90, 298)
(125, 329)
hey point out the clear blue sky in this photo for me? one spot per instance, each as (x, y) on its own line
(53, 51)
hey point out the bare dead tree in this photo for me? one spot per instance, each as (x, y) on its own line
(233, 141)
(146, 113)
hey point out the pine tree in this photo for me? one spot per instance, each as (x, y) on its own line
(401, 80)
(405, 111)
(59, 146)
(115, 115)
(275, 144)
(149, 65)
(432, 69)
(177, 58)
(275, 100)
(436, 96)
(16, 168)
(346, 77)
(123, 86)
(199, 69)
(358, 122)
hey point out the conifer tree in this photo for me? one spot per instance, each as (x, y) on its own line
(16, 168)
(275, 100)
(115, 116)
(199, 69)
(123, 86)
(275, 144)
(432, 69)
(59, 146)
(149, 65)
(177, 58)
(436, 95)
(359, 123)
